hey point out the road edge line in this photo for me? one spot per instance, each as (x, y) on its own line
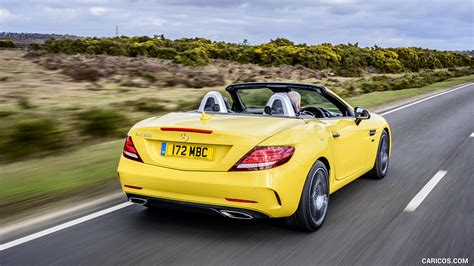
(424, 99)
(25, 223)
(63, 226)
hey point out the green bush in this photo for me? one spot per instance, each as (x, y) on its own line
(7, 44)
(193, 57)
(103, 122)
(415, 80)
(149, 77)
(401, 85)
(149, 105)
(6, 113)
(318, 57)
(187, 106)
(387, 61)
(349, 72)
(368, 87)
(409, 58)
(347, 59)
(31, 137)
(353, 58)
(164, 52)
(24, 103)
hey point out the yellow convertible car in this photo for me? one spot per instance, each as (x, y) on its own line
(272, 150)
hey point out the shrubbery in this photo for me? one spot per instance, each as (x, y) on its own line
(38, 136)
(32, 137)
(83, 73)
(24, 103)
(347, 59)
(7, 44)
(103, 123)
(149, 105)
(193, 57)
(414, 80)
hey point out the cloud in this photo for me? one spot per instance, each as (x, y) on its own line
(93, 1)
(228, 21)
(5, 14)
(62, 13)
(441, 24)
(337, 1)
(149, 22)
(204, 3)
(98, 11)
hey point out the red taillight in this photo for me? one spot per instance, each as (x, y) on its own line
(130, 152)
(264, 157)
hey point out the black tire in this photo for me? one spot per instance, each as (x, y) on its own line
(382, 159)
(314, 201)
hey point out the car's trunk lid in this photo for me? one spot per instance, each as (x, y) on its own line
(224, 139)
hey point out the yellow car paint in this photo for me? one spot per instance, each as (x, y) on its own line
(277, 191)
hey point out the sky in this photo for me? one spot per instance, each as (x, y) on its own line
(436, 24)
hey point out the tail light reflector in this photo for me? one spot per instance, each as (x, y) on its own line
(130, 152)
(134, 187)
(241, 200)
(264, 157)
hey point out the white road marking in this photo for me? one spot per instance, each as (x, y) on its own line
(18, 225)
(418, 199)
(63, 226)
(126, 204)
(424, 99)
(472, 135)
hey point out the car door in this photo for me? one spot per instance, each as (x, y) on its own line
(350, 143)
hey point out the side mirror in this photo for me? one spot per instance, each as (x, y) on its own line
(361, 114)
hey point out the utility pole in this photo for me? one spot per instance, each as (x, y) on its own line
(116, 31)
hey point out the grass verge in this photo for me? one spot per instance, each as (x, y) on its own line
(28, 184)
(25, 185)
(375, 99)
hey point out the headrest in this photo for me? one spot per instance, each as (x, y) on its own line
(213, 101)
(280, 105)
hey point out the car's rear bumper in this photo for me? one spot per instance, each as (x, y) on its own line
(274, 192)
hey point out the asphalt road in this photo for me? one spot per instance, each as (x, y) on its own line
(366, 223)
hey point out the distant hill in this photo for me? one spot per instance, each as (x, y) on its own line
(23, 39)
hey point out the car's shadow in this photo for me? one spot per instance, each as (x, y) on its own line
(213, 224)
(189, 220)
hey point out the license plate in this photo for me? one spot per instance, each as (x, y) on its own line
(187, 151)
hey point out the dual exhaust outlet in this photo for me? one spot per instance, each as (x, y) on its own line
(235, 215)
(226, 213)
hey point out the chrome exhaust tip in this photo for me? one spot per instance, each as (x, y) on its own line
(236, 215)
(137, 200)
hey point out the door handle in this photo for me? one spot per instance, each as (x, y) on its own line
(336, 135)
(372, 132)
